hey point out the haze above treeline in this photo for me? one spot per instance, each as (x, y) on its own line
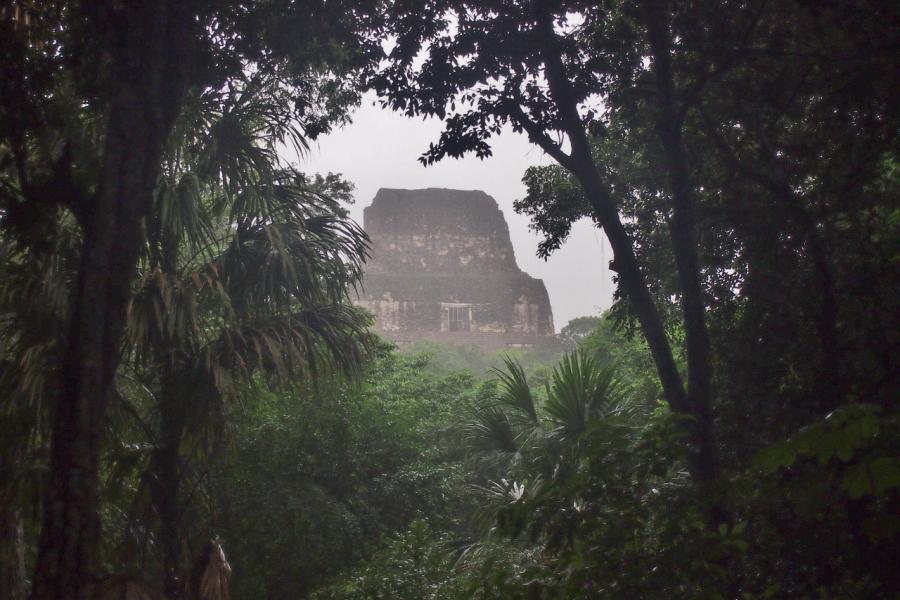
(192, 407)
(381, 149)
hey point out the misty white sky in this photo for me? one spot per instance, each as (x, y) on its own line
(380, 148)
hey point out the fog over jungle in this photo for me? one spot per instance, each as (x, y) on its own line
(251, 346)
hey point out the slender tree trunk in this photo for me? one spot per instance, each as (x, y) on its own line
(140, 114)
(631, 278)
(167, 484)
(580, 163)
(167, 472)
(683, 231)
(703, 456)
(12, 544)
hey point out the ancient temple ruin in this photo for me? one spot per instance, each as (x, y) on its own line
(443, 268)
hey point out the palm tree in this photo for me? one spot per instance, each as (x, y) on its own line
(34, 294)
(244, 279)
(581, 392)
(246, 275)
(534, 448)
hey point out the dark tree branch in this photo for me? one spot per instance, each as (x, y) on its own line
(792, 202)
(683, 232)
(607, 215)
(691, 96)
(538, 136)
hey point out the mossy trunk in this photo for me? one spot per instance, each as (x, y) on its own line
(12, 548)
(167, 476)
(148, 69)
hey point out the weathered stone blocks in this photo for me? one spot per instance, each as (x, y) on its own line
(443, 268)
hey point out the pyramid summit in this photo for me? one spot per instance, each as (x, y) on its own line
(443, 268)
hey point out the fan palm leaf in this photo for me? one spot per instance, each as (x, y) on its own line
(515, 391)
(490, 429)
(34, 295)
(581, 390)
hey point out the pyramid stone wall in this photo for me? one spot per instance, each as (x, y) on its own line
(443, 268)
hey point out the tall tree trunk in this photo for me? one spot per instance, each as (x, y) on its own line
(166, 462)
(167, 484)
(12, 538)
(149, 90)
(703, 455)
(580, 163)
(634, 283)
(683, 232)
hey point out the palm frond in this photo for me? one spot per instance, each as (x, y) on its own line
(516, 393)
(35, 284)
(124, 587)
(580, 389)
(490, 429)
(178, 222)
(209, 574)
(286, 347)
(163, 312)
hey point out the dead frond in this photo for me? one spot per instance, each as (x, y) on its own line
(124, 587)
(210, 573)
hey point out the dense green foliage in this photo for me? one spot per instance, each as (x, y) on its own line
(572, 501)
(317, 477)
(741, 159)
(182, 367)
(118, 122)
(446, 359)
